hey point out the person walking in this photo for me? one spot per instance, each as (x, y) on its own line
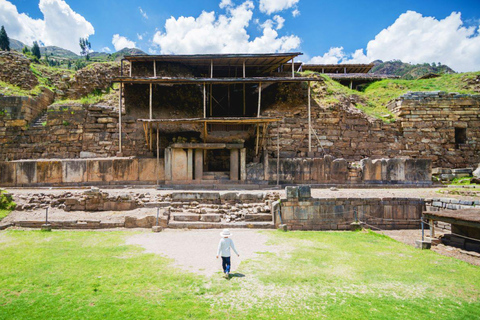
(224, 251)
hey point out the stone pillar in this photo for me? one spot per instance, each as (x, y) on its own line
(198, 164)
(233, 164)
(243, 164)
(190, 164)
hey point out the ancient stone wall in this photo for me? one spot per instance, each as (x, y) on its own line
(72, 132)
(299, 211)
(425, 128)
(429, 121)
(20, 111)
(61, 172)
(15, 69)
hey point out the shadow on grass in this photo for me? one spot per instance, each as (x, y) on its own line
(236, 275)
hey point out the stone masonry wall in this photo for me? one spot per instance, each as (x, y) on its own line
(424, 128)
(428, 120)
(299, 211)
(73, 132)
(15, 69)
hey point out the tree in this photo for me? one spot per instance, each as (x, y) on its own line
(36, 50)
(25, 50)
(4, 41)
(85, 47)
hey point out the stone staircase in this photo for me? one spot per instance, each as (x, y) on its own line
(206, 210)
(40, 120)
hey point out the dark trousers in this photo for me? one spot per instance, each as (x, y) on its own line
(226, 264)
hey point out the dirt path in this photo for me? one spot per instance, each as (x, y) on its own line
(195, 250)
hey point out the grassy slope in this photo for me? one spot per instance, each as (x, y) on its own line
(91, 275)
(4, 213)
(376, 96)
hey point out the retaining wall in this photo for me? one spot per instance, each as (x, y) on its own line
(301, 212)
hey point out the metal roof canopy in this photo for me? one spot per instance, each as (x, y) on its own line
(171, 81)
(261, 63)
(338, 68)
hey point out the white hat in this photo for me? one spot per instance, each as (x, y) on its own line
(225, 233)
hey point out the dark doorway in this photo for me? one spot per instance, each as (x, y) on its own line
(460, 136)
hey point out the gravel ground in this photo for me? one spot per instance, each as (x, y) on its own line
(409, 237)
(195, 250)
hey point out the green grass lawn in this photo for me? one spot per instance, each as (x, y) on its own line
(92, 275)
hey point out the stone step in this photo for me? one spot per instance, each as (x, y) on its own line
(220, 225)
(213, 175)
(259, 217)
(192, 217)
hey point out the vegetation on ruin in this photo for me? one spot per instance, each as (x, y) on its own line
(6, 204)
(333, 275)
(374, 98)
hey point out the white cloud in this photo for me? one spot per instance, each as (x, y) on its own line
(295, 13)
(105, 49)
(60, 26)
(225, 3)
(143, 13)
(334, 55)
(139, 36)
(120, 42)
(271, 6)
(417, 39)
(226, 33)
(280, 21)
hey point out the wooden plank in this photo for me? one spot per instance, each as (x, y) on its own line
(180, 81)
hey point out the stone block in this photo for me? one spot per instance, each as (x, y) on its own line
(147, 168)
(339, 171)
(292, 193)
(26, 172)
(258, 217)
(304, 192)
(125, 169)
(211, 217)
(418, 170)
(119, 205)
(74, 171)
(395, 170)
(179, 165)
(7, 173)
(49, 172)
(423, 244)
(186, 217)
(99, 170)
(190, 196)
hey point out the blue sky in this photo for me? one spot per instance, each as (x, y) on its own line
(325, 31)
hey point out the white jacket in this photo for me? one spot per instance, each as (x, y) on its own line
(224, 247)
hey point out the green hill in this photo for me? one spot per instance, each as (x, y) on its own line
(409, 71)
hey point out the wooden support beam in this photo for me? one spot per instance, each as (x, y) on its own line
(204, 101)
(151, 137)
(145, 130)
(432, 229)
(150, 103)
(244, 68)
(211, 68)
(259, 98)
(205, 132)
(211, 98)
(309, 120)
(120, 119)
(131, 67)
(278, 153)
(154, 68)
(244, 102)
(293, 68)
(157, 167)
(258, 139)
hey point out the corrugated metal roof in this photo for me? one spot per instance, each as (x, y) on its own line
(338, 68)
(262, 63)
